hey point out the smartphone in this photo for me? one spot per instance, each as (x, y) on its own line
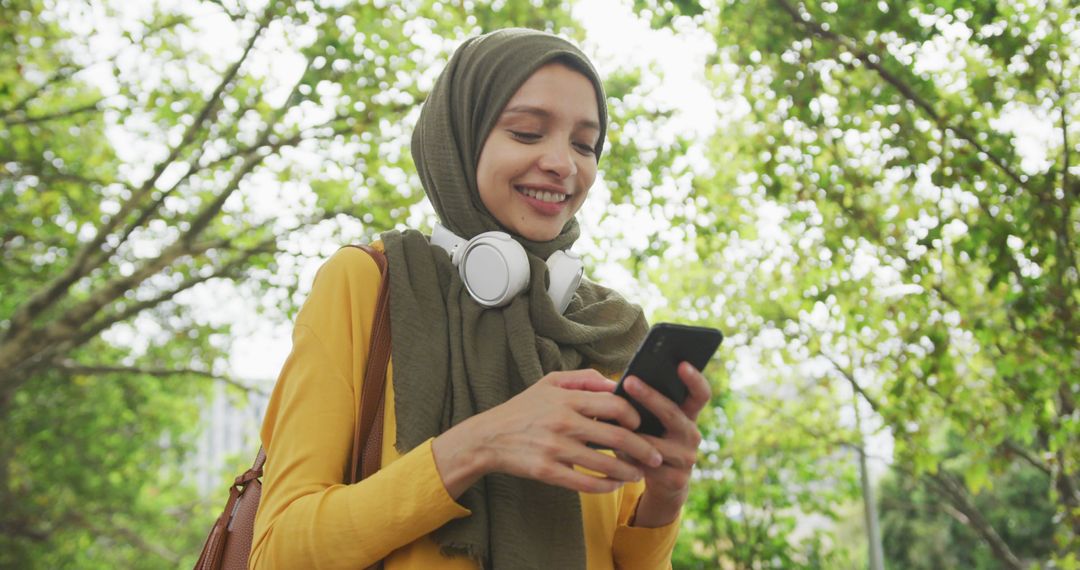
(657, 361)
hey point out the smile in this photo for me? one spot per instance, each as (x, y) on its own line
(543, 196)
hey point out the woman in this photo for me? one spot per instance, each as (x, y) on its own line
(485, 457)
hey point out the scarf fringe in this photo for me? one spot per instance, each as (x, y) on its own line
(459, 549)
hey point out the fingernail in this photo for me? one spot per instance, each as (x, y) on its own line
(656, 459)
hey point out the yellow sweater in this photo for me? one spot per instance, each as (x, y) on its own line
(308, 519)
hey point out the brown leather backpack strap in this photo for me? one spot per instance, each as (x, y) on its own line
(260, 459)
(228, 545)
(367, 439)
(371, 458)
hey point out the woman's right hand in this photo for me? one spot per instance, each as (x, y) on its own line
(543, 432)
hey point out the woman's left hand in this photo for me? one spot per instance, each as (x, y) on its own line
(668, 485)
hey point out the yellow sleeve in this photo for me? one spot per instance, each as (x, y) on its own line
(307, 517)
(641, 547)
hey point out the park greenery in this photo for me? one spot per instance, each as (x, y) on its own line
(883, 223)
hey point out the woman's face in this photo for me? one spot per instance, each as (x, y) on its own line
(538, 163)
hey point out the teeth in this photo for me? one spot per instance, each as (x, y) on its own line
(542, 195)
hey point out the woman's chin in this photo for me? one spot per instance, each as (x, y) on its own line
(540, 233)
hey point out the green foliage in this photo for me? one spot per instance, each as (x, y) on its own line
(875, 226)
(1018, 505)
(865, 226)
(136, 165)
(90, 480)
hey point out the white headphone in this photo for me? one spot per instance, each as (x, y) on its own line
(495, 268)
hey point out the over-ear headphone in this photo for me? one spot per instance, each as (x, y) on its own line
(495, 268)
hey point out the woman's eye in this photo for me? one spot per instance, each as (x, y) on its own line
(585, 148)
(524, 136)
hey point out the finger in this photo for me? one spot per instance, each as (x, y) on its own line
(677, 455)
(675, 421)
(588, 380)
(606, 407)
(628, 446)
(699, 391)
(565, 476)
(605, 464)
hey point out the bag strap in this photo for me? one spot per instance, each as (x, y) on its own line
(367, 440)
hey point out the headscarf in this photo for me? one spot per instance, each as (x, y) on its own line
(452, 357)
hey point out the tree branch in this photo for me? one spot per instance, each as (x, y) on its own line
(73, 367)
(25, 358)
(19, 527)
(955, 492)
(53, 178)
(211, 105)
(203, 218)
(955, 514)
(1016, 449)
(816, 434)
(11, 349)
(1064, 230)
(152, 209)
(60, 74)
(67, 71)
(126, 534)
(234, 16)
(1066, 151)
(113, 290)
(186, 139)
(20, 349)
(267, 146)
(94, 106)
(942, 483)
(226, 270)
(93, 253)
(805, 21)
(851, 380)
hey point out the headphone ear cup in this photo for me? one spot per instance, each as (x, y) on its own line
(564, 275)
(495, 268)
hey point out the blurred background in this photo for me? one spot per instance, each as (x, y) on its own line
(875, 201)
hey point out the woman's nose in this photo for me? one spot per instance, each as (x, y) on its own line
(557, 159)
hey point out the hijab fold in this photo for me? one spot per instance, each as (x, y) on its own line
(454, 358)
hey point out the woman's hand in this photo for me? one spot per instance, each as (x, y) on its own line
(543, 432)
(668, 485)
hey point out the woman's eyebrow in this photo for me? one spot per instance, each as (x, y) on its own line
(545, 114)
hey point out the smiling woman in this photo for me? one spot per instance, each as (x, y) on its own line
(490, 409)
(539, 162)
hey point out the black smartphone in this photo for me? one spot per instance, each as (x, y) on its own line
(657, 362)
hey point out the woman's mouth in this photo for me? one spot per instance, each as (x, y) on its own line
(543, 201)
(542, 195)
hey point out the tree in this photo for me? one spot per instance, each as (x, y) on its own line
(867, 225)
(138, 154)
(901, 243)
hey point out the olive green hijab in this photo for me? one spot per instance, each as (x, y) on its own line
(452, 357)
